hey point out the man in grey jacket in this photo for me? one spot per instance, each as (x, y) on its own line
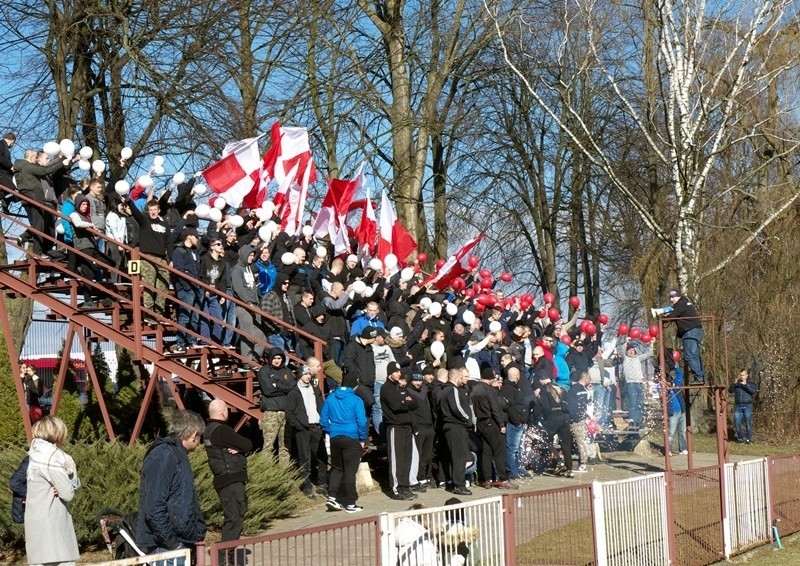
(244, 281)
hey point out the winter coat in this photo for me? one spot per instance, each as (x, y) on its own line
(49, 532)
(343, 414)
(275, 384)
(228, 467)
(296, 414)
(169, 510)
(19, 491)
(244, 278)
(743, 392)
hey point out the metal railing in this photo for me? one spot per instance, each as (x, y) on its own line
(180, 557)
(784, 492)
(747, 505)
(697, 516)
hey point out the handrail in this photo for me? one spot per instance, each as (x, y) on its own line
(134, 252)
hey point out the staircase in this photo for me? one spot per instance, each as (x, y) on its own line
(120, 318)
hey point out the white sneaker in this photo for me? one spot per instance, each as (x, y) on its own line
(333, 505)
(684, 452)
(581, 469)
(353, 508)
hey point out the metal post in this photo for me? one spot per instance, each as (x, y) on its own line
(14, 361)
(509, 528)
(599, 525)
(87, 354)
(720, 407)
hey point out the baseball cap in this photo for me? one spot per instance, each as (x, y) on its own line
(674, 294)
(396, 332)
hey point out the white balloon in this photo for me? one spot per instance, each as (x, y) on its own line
(145, 181)
(67, 148)
(435, 309)
(407, 274)
(220, 203)
(375, 264)
(158, 160)
(495, 326)
(235, 220)
(122, 187)
(98, 166)
(359, 287)
(307, 230)
(261, 214)
(60, 228)
(272, 227)
(321, 252)
(265, 234)
(86, 152)
(437, 349)
(202, 210)
(179, 178)
(51, 148)
(390, 261)
(468, 317)
(287, 258)
(215, 215)
(199, 190)
(425, 302)
(269, 207)
(158, 169)
(126, 153)
(84, 165)
(369, 291)
(451, 309)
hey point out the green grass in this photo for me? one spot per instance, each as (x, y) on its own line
(768, 555)
(758, 448)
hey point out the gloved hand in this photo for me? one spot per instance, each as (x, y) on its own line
(462, 549)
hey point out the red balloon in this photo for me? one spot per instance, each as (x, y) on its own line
(574, 302)
(623, 329)
(469, 293)
(485, 273)
(486, 283)
(506, 277)
(676, 355)
(491, 300)
(635, 333)
(653, 330)
(527, 298)
(473, 262)
(646, 338)
(590, 328)
(458, 284)
(439, 264)
(565, 339)
(602, 319)
(542, 313)
(422, 258)
(582, 326)
(553, 314)
(482, 300)
(211, 201)
(549, 298)
(479, 308)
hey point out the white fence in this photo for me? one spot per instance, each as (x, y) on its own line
(180, 557)
(631, 521)
(747, 504)
(445, 535)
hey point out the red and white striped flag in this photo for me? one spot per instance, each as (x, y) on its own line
(367, 229)
(393, 236)
(294, 171)
(457, 265)
(234, 177)
(332, 218)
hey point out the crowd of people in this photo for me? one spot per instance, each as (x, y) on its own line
(458, 391)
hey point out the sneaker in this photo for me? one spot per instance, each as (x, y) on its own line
(333, 505)
(353, 509)
(310, 495)
(322, 491)
(442, 485)
(505, 485)
(581, 469)
(460, 490)
(747, 442)
(419, 488)
(569, 474)
(684, 452)
(178, 350)
(485, 484)
(402, 495)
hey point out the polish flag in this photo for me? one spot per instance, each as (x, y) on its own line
(294, 171)
(367, 228)
(234, 176)
(332, 218)
(457, 265)
(393, 237)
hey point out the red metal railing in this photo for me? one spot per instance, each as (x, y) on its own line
(697, 516)
(784, 492)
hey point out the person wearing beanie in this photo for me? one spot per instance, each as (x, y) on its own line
(303, 407)
(397, 406)
(422, 417)
(491, 428)
(344, 420)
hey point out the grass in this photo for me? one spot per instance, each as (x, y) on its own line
(758, 448)
(768, 555)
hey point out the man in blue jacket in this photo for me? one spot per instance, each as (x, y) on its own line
(743, 392)
(169, 510)
(344, 419)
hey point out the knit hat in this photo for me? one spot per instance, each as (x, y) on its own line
(349, 380)
(392, 367)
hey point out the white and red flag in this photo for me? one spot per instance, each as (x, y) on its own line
(332, 218)
(294, 171)
(457, 265)
(367, 228)
(236, 176)
(393, 237)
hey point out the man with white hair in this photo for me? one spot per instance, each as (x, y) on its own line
(227, 459)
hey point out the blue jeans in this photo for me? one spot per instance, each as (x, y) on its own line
(210, 327)
(377, 412)
(677, 423)
(601, 398)
(229, 316)
(285, 342)
(743, 412)
(513, 441)
(691, 352)
(187, 318)
(634, 393)
(171, 562)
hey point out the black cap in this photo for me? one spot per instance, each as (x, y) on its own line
(392, 367)
(369, 333)
(349, 380)
(487, 373)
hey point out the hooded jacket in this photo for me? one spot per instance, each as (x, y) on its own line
(275, 383)
(359, 361)
(343, 414)
(244, 278)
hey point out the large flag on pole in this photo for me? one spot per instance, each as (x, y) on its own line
(294, 171)
(367, 229)
(393, 237)
(457, 265)
(235, 176)
(332, 218)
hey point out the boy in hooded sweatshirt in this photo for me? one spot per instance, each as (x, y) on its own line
(244, 282)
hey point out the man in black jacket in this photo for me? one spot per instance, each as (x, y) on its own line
(359, 361)
(456, 417)
(155, 240)
(517, 415)
(303, 407)
(186, 259)
(275, 381)
(743, 392)
(690, 331)
(556, 421)
(397, 406)
(491, 427)
(577, 399)
(422, 418)
(227, 457)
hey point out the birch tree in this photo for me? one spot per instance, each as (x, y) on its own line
(691, 105)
